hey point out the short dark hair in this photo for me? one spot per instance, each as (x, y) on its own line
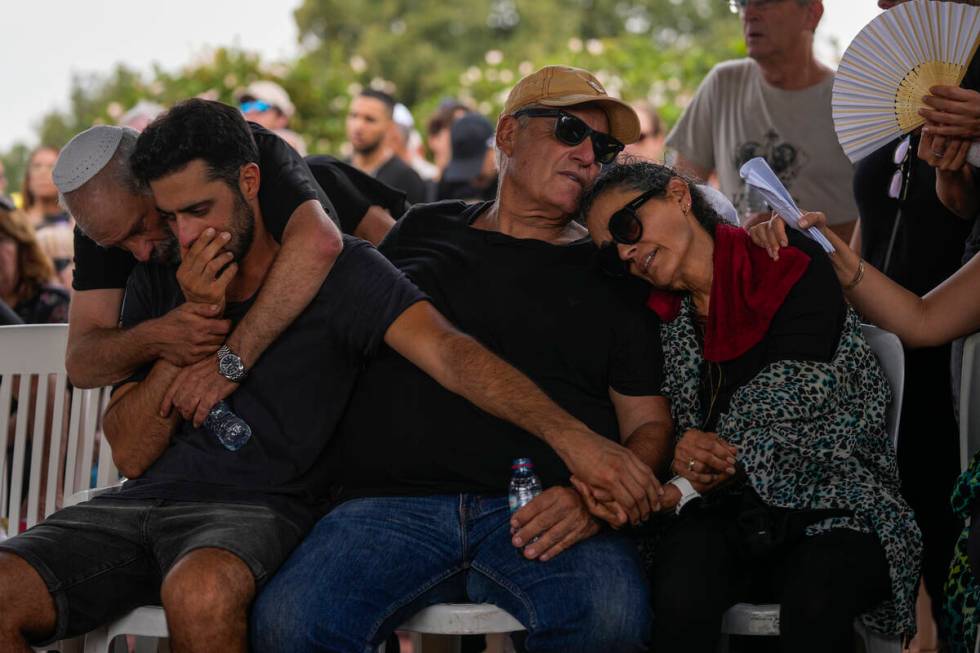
(196, 129)
(383, 97)
(643, 176)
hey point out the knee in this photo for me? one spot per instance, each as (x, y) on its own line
(26, 606)
(292, 614)
(206, 585)
(614, 615)
(278, 620)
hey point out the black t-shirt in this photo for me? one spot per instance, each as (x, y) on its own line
(286, 183)
(398, 174)
(293, 397)
(806, 327)
(353, 191)
(544, 308)
(466, 191)
(929, 239)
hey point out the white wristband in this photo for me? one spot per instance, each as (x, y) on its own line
(688, 493)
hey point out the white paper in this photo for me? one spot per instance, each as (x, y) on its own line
(757, 173)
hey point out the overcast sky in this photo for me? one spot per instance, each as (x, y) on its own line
(46, 41)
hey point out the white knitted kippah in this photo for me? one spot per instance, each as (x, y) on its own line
(85, 155)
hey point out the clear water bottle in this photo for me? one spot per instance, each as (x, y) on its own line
(524, 484)
(230, 429)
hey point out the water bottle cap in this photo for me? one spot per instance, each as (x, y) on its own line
(522, 463)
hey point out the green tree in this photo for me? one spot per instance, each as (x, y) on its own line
(425, 50)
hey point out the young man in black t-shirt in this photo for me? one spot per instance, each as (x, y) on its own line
(197, 526)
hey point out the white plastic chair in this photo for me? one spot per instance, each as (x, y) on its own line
(34, 355)
(970, 400)
(456, 619)
(763, 620)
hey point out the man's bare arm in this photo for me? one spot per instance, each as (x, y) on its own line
(310, 245)
(375, 225)
(464, 366)
(645, 427)
(133, 425)
(100, 353)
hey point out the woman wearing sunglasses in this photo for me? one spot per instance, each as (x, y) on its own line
(779, 408)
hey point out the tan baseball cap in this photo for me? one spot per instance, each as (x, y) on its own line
(564, 86)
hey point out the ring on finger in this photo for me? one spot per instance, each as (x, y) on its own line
(690, 465)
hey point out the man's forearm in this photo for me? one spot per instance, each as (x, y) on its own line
(309, 248)
(103, 356)
(653, 444)
(133, 425)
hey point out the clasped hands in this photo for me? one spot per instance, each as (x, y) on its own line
(204, 274)
(611, 484)
(699, 456)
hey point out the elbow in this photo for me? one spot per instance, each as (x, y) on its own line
(329, 245)
(125, 460)
(326, 242)
(78, 370)
(127, 466)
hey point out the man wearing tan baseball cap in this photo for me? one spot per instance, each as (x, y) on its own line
(432, 472)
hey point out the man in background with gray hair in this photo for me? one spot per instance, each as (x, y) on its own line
(774, 104)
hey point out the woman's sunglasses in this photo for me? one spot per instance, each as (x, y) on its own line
(572, 131)
(624, 225)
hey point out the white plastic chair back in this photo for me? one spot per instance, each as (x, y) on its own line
(30, 356)
(970, 400)
(33, 357)
(891, 356)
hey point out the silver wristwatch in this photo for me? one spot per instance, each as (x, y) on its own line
(230, 365)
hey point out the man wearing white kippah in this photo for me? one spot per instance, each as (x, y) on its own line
(114, 213)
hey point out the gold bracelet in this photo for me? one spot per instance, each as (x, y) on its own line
(858, 276)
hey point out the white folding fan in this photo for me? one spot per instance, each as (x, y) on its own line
(892, 63)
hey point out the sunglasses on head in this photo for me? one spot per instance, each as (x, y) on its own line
(572, 131)
(254, 105)
(624, 225)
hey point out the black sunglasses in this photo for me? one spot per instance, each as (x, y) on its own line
(624, 225)
(572, 131)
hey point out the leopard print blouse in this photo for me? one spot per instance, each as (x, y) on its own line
(812, 435)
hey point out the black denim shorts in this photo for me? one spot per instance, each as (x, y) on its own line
(102, 558)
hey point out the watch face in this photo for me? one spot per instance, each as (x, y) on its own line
(230, 366)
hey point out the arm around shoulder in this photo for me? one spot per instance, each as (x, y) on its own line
(311, 244)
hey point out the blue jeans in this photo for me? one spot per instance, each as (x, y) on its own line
(372, 563)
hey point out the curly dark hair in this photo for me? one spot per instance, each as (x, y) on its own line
(196, 129)
(643, 176)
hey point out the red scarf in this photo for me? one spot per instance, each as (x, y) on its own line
(747, 289)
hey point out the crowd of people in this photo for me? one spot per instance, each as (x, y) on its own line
(689, 377)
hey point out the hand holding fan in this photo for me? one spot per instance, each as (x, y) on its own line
(891, 64)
